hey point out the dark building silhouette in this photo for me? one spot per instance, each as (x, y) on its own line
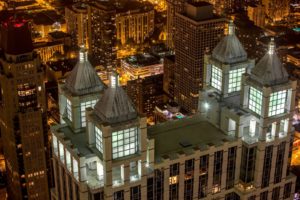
(23, 113)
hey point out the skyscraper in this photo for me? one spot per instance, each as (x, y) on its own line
(23, 113)
(197, 30)
(276, 10)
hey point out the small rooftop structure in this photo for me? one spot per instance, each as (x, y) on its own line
(83, 79)
(229, 49)
(199, 10)
(115, 106)
(269, 70)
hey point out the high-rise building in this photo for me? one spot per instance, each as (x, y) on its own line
(254, 104)
(146, 93)
(23, 114)
(256, 13)
(102, 34)
(169, 72)
(76, 16)
(276, 10)
(197, 30)
(134, 21)
(238, 147)
(173, 6)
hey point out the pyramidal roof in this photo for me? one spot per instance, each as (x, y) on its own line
(269, 69)
(83, 79)
(115, 106)
(229, 49)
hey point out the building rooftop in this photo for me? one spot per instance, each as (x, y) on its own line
(78, 140)
(269, 69)
(230, 49)
(183, 135)
(115, 106)
(83, 79)
(11, 42)
(142, 60)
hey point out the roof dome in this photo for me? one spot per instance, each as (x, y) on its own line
(229, 49)
(269, 69)
(83, 79)
(115, 106)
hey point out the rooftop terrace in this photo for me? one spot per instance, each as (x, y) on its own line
(183, 135)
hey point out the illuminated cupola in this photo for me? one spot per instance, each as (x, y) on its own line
(269, 70)
(225, 66)
(83, 79)
(81, 90)
(268, 94)
(115, 105)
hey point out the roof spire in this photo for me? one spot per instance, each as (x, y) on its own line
(271, 48)
(83, 57)
(231, 27)
(114, 79)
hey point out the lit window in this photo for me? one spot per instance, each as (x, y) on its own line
(99, 143)
(61, 152)
(255, 100)
(54, 143)
(83, 106)
(235, 77)
(69, 110)
(277, 103)
(216, 78)
(124, 142)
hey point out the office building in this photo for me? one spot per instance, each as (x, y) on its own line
(173, 6)
(141, 65)
(23, 114)
(102, 34)
(276, 10)
(146, 93)
(256, 13)
(169, 72)
(76, 16)
(197, 30)
(134, 22)
(237, 147)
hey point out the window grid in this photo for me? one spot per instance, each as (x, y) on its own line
(277, 103)
(216, 78)
(124, 142)
(99, 141)
(69, 110)
(235, 77)
(255, 100)
(83, 106)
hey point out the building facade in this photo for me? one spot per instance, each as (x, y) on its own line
(276, 10)
(237, 147)
(76, 16)
(136, 23)
(146, 93)
(23, 114)
(197, 31)
(102, 34)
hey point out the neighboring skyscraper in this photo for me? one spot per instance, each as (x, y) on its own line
(23, 114)
(134, 21)
(196, 31)
(102, 34)
(173, 6)
(168, 81)
(76, 16)
(146, 93)
(276, 10)
(256, 13)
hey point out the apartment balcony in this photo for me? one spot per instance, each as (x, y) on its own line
(249, 139)
(245, 187)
